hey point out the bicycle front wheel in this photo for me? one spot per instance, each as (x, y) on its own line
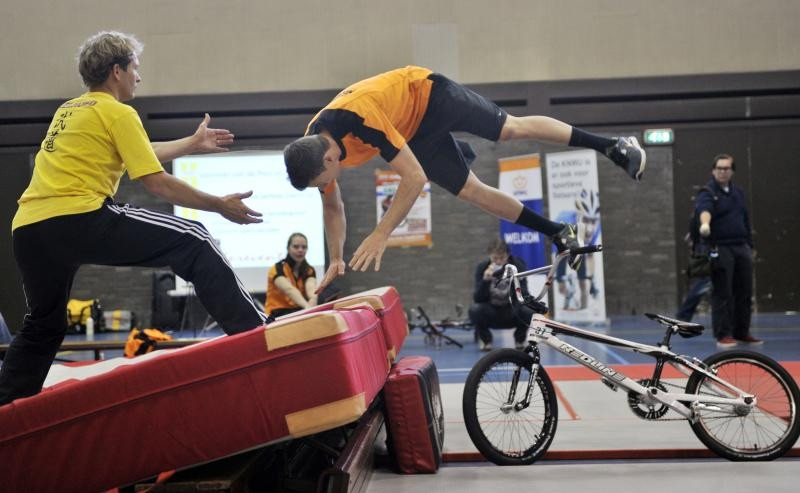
(504, 432)
(764, 432)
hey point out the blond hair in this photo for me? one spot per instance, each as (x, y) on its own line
(98, 55)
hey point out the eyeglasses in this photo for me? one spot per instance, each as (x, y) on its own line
(723, 169)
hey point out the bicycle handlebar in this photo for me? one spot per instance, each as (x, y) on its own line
(585, 249)
(511, 272)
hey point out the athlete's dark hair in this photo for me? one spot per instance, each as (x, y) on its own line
(723, 156)
(498, 246)
(303, 159)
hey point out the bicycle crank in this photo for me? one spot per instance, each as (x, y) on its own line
(644, 406)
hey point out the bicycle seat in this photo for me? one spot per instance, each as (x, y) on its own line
(685, 329)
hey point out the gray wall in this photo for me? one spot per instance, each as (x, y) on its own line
(234, 46)
(638, 235)
(642, 264)
(638, 232)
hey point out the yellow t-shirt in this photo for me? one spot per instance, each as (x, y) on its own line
(91, 141)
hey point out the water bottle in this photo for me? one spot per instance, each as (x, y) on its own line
(89, 328)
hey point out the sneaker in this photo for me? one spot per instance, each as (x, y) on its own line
(568, 238)
(748, 339)
(629, 155)
(484, 346)
(726, 341)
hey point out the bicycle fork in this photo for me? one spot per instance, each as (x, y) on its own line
(510, 405)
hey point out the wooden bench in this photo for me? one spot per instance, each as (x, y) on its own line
(114, 345)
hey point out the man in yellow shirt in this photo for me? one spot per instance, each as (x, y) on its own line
(406, 116)
(67, 218)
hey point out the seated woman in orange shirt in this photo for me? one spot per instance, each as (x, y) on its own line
(291, 282)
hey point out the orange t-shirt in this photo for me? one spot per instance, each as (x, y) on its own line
(276, 298)
(376, 115)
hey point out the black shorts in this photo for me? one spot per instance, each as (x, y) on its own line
(453, 108)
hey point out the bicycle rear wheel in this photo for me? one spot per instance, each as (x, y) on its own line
(502, 433)
(769, 429)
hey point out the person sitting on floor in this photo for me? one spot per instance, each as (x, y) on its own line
(492, 307)
(291, 282)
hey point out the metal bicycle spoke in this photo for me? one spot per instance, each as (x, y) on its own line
(503, 433)
(763, 431)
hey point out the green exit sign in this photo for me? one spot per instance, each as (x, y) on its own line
(659, 136)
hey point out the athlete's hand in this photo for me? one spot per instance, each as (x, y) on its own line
(370, 249)
(235, 211)
(335, 269)
(207, 140)
(705, 230)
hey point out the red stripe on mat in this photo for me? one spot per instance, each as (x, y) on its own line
(566, 373)
(606, 455)
(565, 402)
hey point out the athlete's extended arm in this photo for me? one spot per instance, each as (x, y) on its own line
(412, 179)
(335, 232)
(179, 192)
(204, 141)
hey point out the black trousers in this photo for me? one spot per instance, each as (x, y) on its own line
(732, 290)
(49, 253)
(483, 316)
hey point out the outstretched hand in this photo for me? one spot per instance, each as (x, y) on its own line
(208, 140)
(235, 211)
(370, 249)
(335, 269)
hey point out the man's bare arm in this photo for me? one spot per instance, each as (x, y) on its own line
(412, 179)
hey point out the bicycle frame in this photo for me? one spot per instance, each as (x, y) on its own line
(544, 331)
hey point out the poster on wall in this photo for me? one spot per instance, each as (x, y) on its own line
(573, 196)
(521, 177)
(415, 229)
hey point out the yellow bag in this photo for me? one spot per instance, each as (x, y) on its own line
(143, 341)
(78, 313)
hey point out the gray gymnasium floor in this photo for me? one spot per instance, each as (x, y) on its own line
(599, 444)
(596, 422)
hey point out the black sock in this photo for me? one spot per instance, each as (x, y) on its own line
(534, 221)
(582, 138)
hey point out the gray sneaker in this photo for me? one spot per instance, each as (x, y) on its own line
(568, 238)
(629, 155)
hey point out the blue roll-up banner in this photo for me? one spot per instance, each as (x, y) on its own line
(521, 177)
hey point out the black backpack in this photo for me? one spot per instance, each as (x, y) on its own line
(699, 264)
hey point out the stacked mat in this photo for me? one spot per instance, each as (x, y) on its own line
(112, 423)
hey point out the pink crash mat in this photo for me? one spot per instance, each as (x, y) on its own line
(99, 426)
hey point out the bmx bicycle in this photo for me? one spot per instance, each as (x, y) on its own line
(742, 405)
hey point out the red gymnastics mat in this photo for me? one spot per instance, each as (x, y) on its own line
(386, 303)
(100, 426)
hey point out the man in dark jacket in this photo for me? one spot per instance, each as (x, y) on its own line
(726, 224)
(492, 307)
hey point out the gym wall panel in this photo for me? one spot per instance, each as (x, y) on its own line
(14, 177)
(642, 223)
(238, 46)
